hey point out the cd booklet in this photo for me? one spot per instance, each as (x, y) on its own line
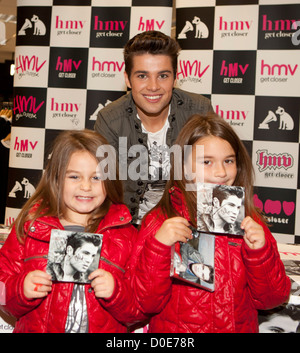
(73, 255)
(220, 211)
(194, 261)
(220, 208)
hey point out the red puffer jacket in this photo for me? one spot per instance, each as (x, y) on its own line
(245, 280)
(49, 314)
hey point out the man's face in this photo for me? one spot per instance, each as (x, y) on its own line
(152, 82)
(201, 271)
(230, 209)
(279, 324)
(83, 257)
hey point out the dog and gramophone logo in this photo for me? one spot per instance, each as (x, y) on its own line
(33, 26)
(21, 185)
(277, 118)
(195, 27)
(96, 101)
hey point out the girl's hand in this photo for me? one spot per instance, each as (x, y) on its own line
(37, 284)
(173, 230)
(254, 233)
(103, 283)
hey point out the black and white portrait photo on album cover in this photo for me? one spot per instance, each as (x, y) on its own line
(220, 208)
(73, 255)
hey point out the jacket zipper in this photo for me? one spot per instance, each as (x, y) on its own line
(36, 257)
(233, 243)
(113, 225)
(111, 263)
(101, 258)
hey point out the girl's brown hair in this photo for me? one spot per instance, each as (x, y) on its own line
(47, 198)
(198, 127)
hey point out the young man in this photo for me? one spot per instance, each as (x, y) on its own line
(150, 117)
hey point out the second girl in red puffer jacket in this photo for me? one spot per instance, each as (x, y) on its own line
(249, 274)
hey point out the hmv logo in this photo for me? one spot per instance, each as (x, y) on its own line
(233, 117)
(233, 72)
(280, 29)
(26, 63)
(27, 106)
(233, 69)
(109, 29)
(267, 160)
(64, 107)
(234, 25)
(109, 25)
(150, 25)
(277, 25)
(277, 69)
(65, 110)
(107, 65)
(232, 114)
(68, 24)
(24, 145)
(274, 206)
(67, 65)
(191, 68)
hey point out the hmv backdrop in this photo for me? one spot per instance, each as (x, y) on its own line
(242, 54)
(245, 56)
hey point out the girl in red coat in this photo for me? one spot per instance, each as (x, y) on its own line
(249, 274)
(73, 196)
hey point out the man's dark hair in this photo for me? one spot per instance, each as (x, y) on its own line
(222, 192)
(150, 42)
(76, 240)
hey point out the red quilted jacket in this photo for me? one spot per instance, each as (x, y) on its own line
(49, 314)
(246, 280)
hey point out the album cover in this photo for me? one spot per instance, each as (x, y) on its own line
(193, 262)
(73, 255)
(220, 208)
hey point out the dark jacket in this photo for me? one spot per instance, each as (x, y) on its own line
(119, 119)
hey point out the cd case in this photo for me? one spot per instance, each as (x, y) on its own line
(220, 208)
(73, 255)
(194, 261)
